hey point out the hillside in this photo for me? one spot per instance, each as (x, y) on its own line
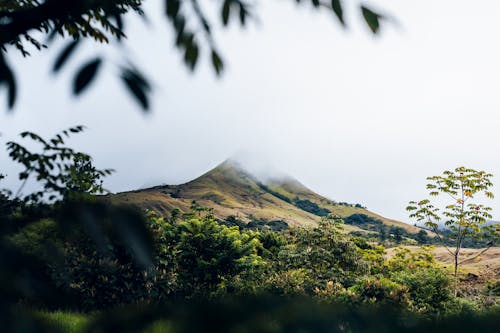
(230, 190)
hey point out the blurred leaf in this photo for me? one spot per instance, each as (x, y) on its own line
(7, 78)
(226, 9)
(65, 55)
(243, 13)
(191, 55)
(372, 19)
(339, 12)
(217, 63)
(86, 75)
(137, 86)
(172, 7)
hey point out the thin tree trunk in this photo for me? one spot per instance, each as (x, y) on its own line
(456, 275)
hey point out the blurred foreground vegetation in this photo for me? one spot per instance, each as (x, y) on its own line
(72, 262)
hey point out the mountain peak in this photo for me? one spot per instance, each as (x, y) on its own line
(249, 192)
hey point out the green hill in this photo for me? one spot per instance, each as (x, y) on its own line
(230, 190)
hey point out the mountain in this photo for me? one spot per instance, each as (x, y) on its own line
(230, 190)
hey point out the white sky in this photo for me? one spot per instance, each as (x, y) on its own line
(355, 118)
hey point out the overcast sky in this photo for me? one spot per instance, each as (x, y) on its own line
(355, 118)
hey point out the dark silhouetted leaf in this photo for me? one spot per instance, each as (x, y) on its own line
(217, 63)
(226, 9)
(191, 55)
(339, 12)
(172, 7)
(119, 25)
(65, 55)
(85, 75)
(137, 86)
(372, 19)
(7, 78)
(243, 13)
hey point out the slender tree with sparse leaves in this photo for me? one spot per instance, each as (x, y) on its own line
(464, 216)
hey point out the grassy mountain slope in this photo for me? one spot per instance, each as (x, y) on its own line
(230, 190)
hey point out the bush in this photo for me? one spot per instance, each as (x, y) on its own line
(206, 253)
(101, 279)
(428, 284)
(311, 207)
(324, 253)
(429, 289)
(380, 291)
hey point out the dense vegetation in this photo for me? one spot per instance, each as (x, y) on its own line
(311, 207)
(195, 256)
(64, 250)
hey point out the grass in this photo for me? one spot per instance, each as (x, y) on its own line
(70, 322)
(67, 321)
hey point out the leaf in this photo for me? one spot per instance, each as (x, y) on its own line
(339, 12)
(65, 55)
(226, 8)
(372, 19)
(172, 7)
(217, 62)
(137, 86)
(191, 55)
(86, 75)
(243, 13)
(7, 77)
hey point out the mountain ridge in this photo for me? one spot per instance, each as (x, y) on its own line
(231, 190)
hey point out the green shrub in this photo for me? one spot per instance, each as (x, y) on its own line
(429, 289)
(324, 253)
(38, 238)
(493, 288)
(311, 207)
(207, 253)
(380, 291)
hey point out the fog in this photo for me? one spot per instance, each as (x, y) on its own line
(356, 118)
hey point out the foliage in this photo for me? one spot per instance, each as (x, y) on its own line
(43, 236)
(385, 232)
(82, 253)
(268, 314)
(428, 289)
(323, 253)
(276, 194)
(422, 237)
(428, 285)
(63, 173)
(37, 239)
(209, 253)
(465, 218)
(263, 225)
(255, 224)
(67, 322)
(493, 288)
(311, 207)
(372, 290)
(7, 204)
(104, 21)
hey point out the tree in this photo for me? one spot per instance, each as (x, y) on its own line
(209, 253)
(397, 233)
(464, 216)
(63, 172)
(104, 21)
(422, 237)
(323, 254)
